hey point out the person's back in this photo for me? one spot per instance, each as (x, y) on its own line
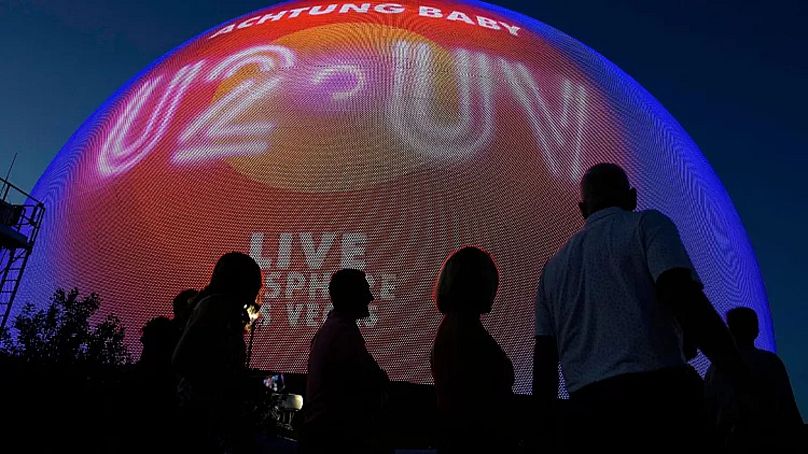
(470, 371)
(771, 420)
(609, 308)
(210, 360)
(159, 340)
(473, 383)
(473, 375)
(345, 387)
(344, 383)
(211, 353)
(769, 371)
(149, 392)
(600, 296)
(183, 306)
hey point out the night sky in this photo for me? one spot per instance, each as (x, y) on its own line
(733, 73)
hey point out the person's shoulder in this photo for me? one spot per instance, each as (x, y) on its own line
(562, 252)
(331, 324)
(345, 328)
(333, 335)
(210, 302)
(648, 221)
(769, 357)
(207, 309)
(556, 265)
(650, 217)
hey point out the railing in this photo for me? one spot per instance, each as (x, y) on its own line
(19, 227)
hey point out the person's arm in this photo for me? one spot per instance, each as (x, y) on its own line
(187, 352)
(678, 287)
(545, 350)
(789, 413)
(699, 319)
(545, 370)
(545, 393)
(369, 378)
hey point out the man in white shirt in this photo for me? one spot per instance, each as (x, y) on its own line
(611, 307)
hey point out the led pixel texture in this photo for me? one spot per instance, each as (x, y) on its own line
(378, 136)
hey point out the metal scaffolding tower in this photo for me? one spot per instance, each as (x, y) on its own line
(19, 227)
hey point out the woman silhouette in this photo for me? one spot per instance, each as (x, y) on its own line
(473, 376)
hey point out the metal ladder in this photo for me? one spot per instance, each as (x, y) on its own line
(19, 227)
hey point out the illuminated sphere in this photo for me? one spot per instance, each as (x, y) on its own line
(379, 136)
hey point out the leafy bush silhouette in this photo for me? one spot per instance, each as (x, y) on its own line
(62, 333)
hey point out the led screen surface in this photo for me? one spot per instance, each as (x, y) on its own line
(379, 136)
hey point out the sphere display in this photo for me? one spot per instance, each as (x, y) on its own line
(379, 136)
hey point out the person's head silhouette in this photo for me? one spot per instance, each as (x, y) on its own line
(743, 324)
(158, 338)
(350, 293)
(604, 186)
(467, 283)
(182, 306)
(238, 277)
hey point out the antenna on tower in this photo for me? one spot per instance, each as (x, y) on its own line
(13, 160)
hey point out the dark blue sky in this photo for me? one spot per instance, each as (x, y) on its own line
(732, 72)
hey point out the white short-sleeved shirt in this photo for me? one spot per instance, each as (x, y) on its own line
(597, 297)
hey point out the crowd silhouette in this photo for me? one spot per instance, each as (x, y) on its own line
(620, 309)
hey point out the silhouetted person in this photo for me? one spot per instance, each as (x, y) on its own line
(610, 305)
(473, 376)
(183, 306)
(345, 387)
(210, 358)
(150, 393)
(772, 422)
(158, 339)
